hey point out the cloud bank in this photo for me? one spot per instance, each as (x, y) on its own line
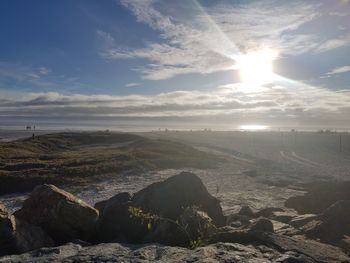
(296, 104)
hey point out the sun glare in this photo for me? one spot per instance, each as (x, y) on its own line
(256, 67)
(253, 127)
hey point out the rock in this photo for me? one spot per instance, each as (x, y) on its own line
(62, 215)
(284, 217)
(232, 235)
(332, 224)
(43, 255)
(115, 252)
(261, 225)
(170, 197)
(345, 244)
(319, 197)
(242, 235)
(268, 212)
(292, 257)
(339, 212)
(237, 220)
(284, 229)
(277, 214)
(311, 250)
(317, 251)
(117, 223)
(246, 211)
(168, 232)
(7, 225)
(197, 223)
(119, 198)
(3, 209)
(17, 236)
(251, 173)
(302, 220)
(312, 229)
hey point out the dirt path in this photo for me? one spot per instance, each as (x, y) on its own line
(294, 158)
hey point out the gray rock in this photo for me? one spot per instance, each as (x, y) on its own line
(246, 211)
(168, 232)
(232, 235)
(261, 225)
(311, 249)
(3, 209)
(318, 251)
(332, 225)
(284, 217)
(268, 212)
(284, 229)
(302, 220)
(115, 252)
(237, 220)
(18, 236)
(118, 198)
(319, 197)
(197, 223)
(345, 244)
(118, 224)
(62, 215)
(170, 197)
(193, 225)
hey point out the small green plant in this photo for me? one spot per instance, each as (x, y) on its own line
(146, 218)
(198, 243)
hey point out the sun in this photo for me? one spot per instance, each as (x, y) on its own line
(256, 67)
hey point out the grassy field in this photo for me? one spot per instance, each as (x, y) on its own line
(80, 158)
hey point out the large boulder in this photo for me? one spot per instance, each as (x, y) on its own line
(332, 225)
(118, 220)
(62, 215)
(319, 196)
(18, 236)
(170, 197)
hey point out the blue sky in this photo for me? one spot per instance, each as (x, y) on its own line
(175, 60)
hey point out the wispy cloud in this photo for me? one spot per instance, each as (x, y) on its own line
(331, 44)
(132, 84)
(339, 70)
(206, 40)
(23, 76)
(108, 40)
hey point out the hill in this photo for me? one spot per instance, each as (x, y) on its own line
(79, 158)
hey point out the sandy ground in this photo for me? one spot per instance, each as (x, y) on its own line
(274, 156)
(227, 182)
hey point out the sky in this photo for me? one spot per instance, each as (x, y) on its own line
(176, 64)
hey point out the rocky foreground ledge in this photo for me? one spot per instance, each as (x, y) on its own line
(176, 220)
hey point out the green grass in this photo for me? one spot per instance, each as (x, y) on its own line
(85, 157)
